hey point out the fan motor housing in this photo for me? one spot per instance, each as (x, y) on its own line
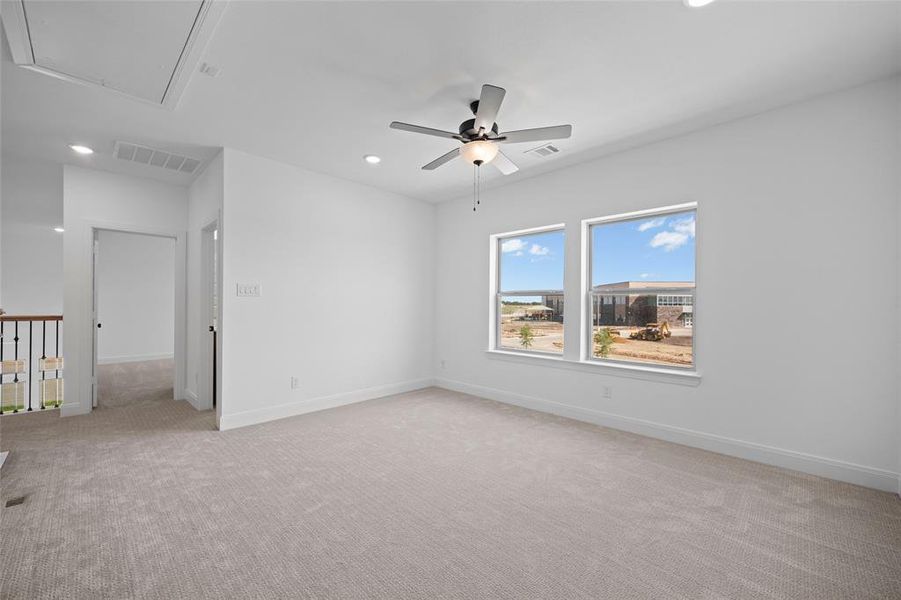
(468, 130)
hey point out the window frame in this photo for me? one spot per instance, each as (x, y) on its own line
(588, 293)
(496, 293)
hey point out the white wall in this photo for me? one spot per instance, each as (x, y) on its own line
(798, 222)
(898, 187)
(347, 275)
(31, 251)
(136, 297)
(97, 199)
(204, 207)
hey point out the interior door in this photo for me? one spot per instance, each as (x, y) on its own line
(214, 314)
(95, 323)
(209, 316)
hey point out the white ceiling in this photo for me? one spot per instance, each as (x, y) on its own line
(316, 84)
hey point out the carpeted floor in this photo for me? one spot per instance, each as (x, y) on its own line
(430, 494)
(129, 383)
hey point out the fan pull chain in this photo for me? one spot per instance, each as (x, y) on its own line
(476, 184)
(474, 189)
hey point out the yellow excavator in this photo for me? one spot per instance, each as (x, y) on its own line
(652, 332)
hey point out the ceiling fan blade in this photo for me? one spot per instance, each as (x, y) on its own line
(441, 160)
(504, 164)
(489, 104)
(424, 130)
(538, 134)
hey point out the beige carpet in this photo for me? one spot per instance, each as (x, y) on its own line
(430, 494)
(124, 384)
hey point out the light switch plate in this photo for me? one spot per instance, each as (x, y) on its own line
(248, 290)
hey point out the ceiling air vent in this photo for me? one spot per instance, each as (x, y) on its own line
(155, 158)
(543, 151)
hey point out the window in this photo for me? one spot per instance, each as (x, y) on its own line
(674, 300)
(529, 292)
(642, 288)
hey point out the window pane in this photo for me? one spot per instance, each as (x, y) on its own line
(644, 252)
(531, 323)
(637, 328)
(531, 262)
(631, 260)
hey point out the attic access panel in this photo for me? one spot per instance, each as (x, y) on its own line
(145, 50)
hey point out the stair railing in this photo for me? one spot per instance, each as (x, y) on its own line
(18, 384)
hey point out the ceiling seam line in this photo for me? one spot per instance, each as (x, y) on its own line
(28, 32)
(181, 55)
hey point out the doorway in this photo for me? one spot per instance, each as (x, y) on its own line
(134, 312)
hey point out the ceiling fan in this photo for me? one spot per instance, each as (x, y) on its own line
(480, 135)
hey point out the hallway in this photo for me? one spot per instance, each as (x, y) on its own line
(133, 383)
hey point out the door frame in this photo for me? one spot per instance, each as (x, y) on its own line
(95, 298)
(180, 300)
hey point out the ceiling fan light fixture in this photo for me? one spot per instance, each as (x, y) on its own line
(479, 151)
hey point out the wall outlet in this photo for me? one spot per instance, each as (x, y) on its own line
(249, 290)
(295, 383)
(607, 391)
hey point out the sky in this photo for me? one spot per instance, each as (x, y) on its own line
(653, 249)
(532, 262)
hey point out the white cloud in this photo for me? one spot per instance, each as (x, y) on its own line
(645, 275)
(537, 250)
(682, 231)
(517, 253)
(686, 226)
(514, 245)
(652, 224)
(669, 240)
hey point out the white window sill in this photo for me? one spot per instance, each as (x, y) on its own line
(647, 373)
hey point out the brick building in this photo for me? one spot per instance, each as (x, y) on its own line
(627, 304)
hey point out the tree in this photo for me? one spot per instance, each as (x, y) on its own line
(526, 336)
(604, 340)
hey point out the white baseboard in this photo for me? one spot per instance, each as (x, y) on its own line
(194, 401)
(73, 409)
(111, 360)
(872, 477)
(262, 415)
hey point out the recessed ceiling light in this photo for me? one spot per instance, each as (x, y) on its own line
(58, 229)
(372, 159)
(697, 3)
(81, 149)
